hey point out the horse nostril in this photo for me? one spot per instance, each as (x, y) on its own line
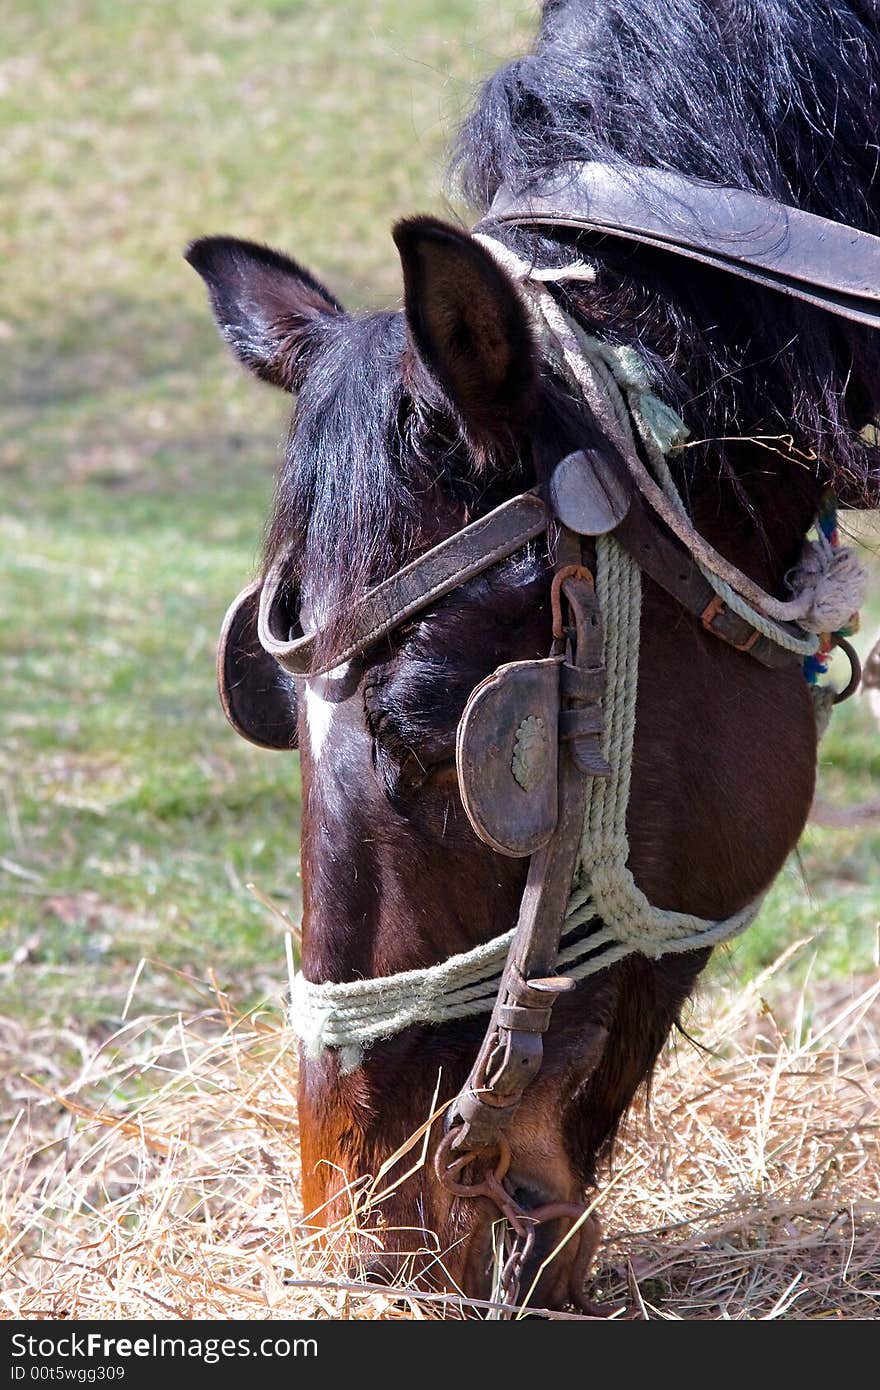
(528, 1195)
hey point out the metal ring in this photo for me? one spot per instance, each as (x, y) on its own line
(447, 1171)
(852, 655)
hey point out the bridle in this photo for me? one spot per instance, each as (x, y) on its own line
(593, 499)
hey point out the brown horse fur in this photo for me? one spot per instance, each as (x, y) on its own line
(410, 424)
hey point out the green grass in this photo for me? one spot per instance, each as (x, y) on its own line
(137, 462)
(830, 889)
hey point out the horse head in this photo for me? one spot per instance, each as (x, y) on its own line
(408, 427)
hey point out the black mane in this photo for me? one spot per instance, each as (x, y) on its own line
(367, 453)
(778, 96)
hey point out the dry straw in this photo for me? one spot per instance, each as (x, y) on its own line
(158, 1176)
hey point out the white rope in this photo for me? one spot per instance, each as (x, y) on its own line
(636, 924)
(358, 1012)
(349, 1016)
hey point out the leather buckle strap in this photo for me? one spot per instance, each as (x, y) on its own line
(512, 1049)
(581, 724)
(509, 1059)
(670, 566)
(578, 723)
(581, 682)
(566, 572)
(715, 618)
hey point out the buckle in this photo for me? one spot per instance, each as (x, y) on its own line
(713, 611)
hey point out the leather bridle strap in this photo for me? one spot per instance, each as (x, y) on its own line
(668, 564)
(829, 264)
(476, 548)
(512, 1050)
(420, 583)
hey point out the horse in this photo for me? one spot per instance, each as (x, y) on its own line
(412, 425)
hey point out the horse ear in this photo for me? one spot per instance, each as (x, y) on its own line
(469, 324)
(270, 310)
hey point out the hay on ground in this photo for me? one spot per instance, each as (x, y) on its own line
(157, 1177)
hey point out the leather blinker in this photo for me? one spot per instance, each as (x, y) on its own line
(257, 699)
(507, 756)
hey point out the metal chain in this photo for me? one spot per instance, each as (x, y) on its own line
(521, 1223)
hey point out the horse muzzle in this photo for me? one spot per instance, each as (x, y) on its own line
(534, 1256)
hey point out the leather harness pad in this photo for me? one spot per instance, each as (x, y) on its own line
(507, 756)
(257, 699)
(797, 253)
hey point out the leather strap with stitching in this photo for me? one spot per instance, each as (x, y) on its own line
(440, 570)
(479, 546)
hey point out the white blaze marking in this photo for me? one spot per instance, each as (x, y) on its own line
(319, 713)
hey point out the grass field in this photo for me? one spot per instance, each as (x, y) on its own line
(137, 459)
(136, 464)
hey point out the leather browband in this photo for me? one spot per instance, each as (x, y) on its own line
(829, 264)
(440, 570)
(479, 546)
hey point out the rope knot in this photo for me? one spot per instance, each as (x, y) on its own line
(832, 583)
